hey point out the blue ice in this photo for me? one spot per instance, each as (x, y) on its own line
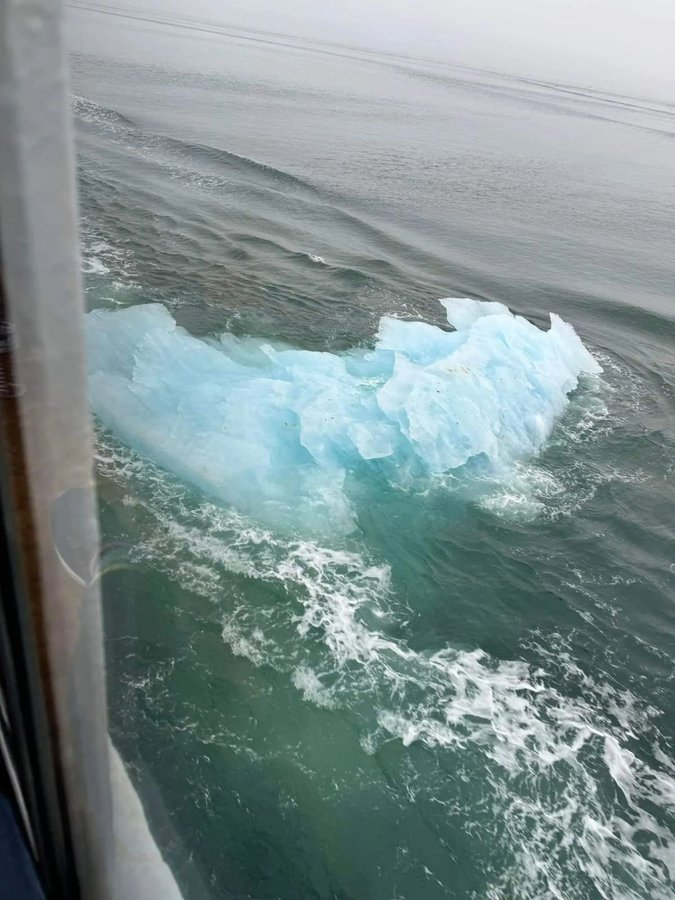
(276, 430)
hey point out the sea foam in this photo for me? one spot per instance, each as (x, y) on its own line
(574, 794)
(276, 430)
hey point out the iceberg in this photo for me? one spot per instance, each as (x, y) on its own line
(276, 431)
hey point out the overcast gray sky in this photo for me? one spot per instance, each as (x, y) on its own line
(628, 45)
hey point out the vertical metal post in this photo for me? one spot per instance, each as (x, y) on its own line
(45, 436)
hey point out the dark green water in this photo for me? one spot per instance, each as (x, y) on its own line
(471, 694)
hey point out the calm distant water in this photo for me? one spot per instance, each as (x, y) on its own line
(471, 695)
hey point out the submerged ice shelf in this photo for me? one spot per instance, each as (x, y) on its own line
(274, 430)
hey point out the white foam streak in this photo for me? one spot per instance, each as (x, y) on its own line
(569, 795)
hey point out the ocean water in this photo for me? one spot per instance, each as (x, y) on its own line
(390, 607)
